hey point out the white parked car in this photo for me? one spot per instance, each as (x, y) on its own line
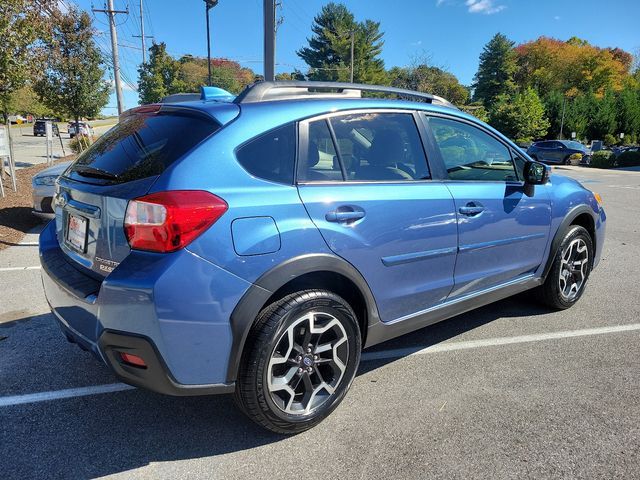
(79, 128)
(44, 185)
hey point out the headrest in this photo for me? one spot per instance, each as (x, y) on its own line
(313, 154)
(387, 148)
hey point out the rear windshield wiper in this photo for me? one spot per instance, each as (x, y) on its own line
(94, 172)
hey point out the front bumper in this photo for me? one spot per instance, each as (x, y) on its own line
(160, 306)
(42, 201)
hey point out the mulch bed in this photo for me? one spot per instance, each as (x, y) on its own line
(16, 218)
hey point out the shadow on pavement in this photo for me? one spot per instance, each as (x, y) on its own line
(105, 434)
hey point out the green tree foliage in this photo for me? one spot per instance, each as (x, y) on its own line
(158, 77)
(424, 78)
(163, 75)
(329, 52)
(628, 110)
(498, 66)
(25, 101)
(520, 116)
(21, 25)
(72, 80)
(603, 117)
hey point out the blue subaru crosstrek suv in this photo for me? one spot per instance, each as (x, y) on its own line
(256, 244)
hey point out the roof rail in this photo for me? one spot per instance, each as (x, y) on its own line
(290, 90)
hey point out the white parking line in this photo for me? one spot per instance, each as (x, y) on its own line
(15, 269)
(491, 342)
(61, 394)
(29, 244)
(368, 356)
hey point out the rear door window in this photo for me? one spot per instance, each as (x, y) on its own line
(142, 145)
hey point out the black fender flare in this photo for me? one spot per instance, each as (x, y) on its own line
(255, 298)
(562, 230)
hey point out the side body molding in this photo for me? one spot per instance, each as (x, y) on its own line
(270, 282)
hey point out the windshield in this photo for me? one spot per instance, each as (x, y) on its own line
(575, 145)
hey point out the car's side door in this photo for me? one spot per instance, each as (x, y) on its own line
(502, 231)
(364, 179)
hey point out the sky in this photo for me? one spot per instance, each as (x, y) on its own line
(450, 33)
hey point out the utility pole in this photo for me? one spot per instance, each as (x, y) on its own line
(269, 40)
(208, 5)
(142, 35)
(353, 41)
(111, 13)
(564, 104)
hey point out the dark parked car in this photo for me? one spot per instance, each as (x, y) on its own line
(39, 128)
(559, 151)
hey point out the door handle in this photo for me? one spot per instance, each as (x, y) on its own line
(344, 215)
(471, 209)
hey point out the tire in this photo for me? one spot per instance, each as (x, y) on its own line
(561, 290)
(567, 160)
(262, 391)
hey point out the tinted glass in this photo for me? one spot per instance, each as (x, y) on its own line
(321, 162)
(271, 156)
(142, 145)
(380, 147)
(471, 154)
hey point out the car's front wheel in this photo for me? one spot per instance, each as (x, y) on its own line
(570, 271)
(299, 361)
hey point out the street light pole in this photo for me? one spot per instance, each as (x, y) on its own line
(208, 5)
(353, 41)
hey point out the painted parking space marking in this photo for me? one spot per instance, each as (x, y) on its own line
(62, 394)
(367, 356)
(17, 269)
(492, 342)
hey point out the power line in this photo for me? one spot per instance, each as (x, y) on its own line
(111, 13)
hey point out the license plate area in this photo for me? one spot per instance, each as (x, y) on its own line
(76, 236)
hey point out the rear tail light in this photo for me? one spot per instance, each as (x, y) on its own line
(169, 221)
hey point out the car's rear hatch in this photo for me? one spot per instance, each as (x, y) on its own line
(92, 194)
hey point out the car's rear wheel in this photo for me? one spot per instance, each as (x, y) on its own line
(299, 361)
(572, 265)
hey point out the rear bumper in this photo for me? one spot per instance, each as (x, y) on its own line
(173, 310)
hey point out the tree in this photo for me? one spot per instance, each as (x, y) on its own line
(495, 76)
(603, 119)
(628, 108)
(26, 101)
(158, 76)
(573, 66)
(521, 116)
(21, 25)
(163, 75)
(329, 52)
(72, 81)
(434, 80)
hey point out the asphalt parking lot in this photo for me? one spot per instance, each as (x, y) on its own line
(509, 390)
(29, 150)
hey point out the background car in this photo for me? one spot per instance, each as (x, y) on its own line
(559, 151)
(43, 187)
(79, 128)
(40, 130)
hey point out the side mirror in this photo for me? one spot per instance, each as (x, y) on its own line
(536, 173)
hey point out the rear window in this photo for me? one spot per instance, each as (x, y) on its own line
(143, 145)
(271, 156)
